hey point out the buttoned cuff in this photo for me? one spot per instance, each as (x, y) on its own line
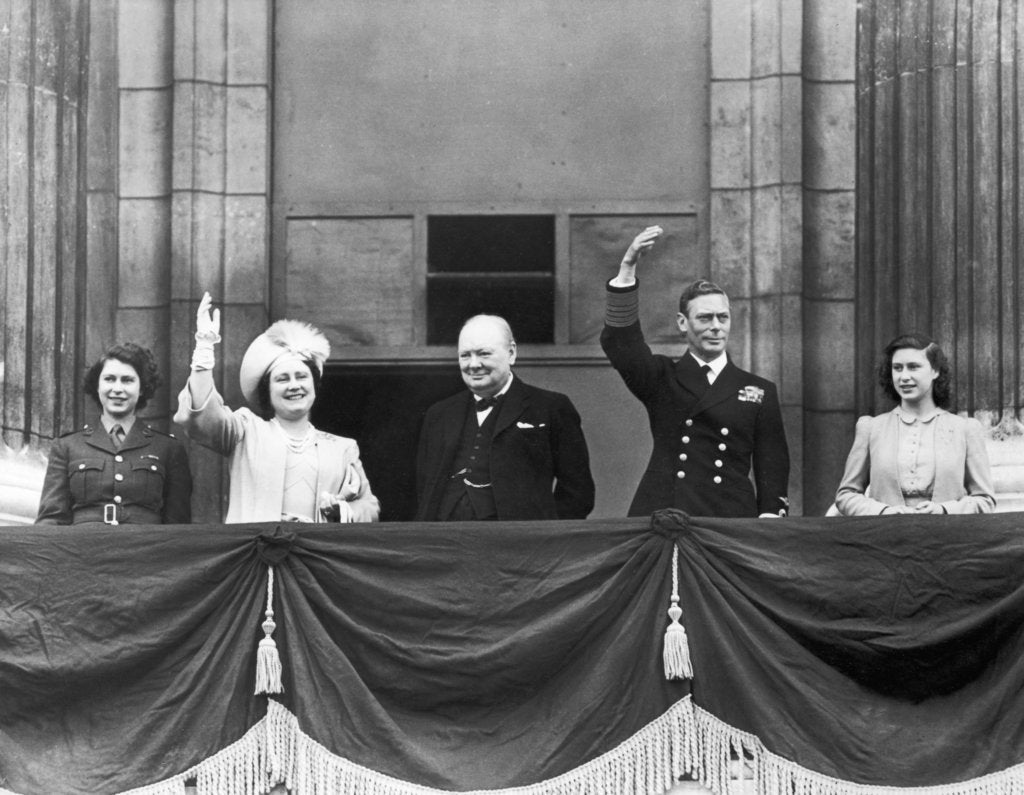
(622, 305)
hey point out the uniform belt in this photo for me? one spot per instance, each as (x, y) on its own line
(114, 513)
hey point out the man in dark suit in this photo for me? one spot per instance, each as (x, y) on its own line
(712, 422)
(503, 449)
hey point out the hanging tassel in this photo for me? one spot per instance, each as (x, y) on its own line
(677, 647)
(268, 662)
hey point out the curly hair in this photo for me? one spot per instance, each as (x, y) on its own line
(941, 387)
(695, 290)
(135, 356)
(263, 389)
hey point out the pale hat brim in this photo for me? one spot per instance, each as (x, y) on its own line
(284, 339)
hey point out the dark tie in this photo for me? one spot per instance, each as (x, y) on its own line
(117, 436)
(482, 404)
(706, 370)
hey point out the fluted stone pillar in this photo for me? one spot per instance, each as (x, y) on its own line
(43, 61)
(940, 233)
(940, 188)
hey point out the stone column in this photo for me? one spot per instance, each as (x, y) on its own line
(145, 92)
(829, 202)
(42, 103)
(756, 195)
(221, 194)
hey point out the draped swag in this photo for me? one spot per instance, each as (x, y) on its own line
(833, 655)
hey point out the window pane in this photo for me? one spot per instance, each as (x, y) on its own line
(490, 243)
(495, 264)
(526, 302)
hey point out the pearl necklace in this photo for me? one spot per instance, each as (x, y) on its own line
(299, 445)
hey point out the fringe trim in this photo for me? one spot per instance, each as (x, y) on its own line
(776, 775)
(249, 766)
(275, 751)
(686, 742)
(648, 763)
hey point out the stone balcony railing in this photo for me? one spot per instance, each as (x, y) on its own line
(21, 481)
(1006, 455)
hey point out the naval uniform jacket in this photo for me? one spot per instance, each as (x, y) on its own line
(707, 439)
(148, 481)
(540, 467)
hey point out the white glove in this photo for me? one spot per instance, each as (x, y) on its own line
(207, 335)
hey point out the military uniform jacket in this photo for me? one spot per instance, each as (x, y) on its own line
(148, 479)
(706, 439)
(540, 466)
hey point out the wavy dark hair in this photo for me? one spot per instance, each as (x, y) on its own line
(263, 389)
(941, 387)
(696, 290)
(139, 358)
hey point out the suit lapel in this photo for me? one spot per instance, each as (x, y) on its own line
(511, 407)
(138, 436)
(690, 377)
(452, 425)
(726, 385)
(98, 437)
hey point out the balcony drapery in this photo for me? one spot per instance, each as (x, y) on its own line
(835, 654)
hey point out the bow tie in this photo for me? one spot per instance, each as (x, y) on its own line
(482, 404)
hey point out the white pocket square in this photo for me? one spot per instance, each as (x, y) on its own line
(528, 425)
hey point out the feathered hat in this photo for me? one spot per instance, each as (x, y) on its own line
(283, 339)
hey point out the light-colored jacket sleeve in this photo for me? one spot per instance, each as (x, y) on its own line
(852, 498)
(356, 502)
(212, 424)
(977, 475)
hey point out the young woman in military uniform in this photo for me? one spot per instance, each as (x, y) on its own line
(122, 470)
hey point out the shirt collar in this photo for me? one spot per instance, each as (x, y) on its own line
(126, 424)
(910, 419)
(717, 364)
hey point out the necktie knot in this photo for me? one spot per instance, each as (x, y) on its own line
(482, 404)
(117, 434)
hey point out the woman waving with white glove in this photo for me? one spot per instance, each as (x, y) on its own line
(282, 468)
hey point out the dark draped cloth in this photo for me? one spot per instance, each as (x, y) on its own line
(465, 656)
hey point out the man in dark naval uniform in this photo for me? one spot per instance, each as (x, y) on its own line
(121, 470)
(712, 422)
(503, 449)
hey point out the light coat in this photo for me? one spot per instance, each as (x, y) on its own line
(257, 452)
(963, 479)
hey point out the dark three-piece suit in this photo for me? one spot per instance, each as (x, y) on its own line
(539, 467)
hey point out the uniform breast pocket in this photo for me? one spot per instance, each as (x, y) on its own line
(147, 482)
(85, 478)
